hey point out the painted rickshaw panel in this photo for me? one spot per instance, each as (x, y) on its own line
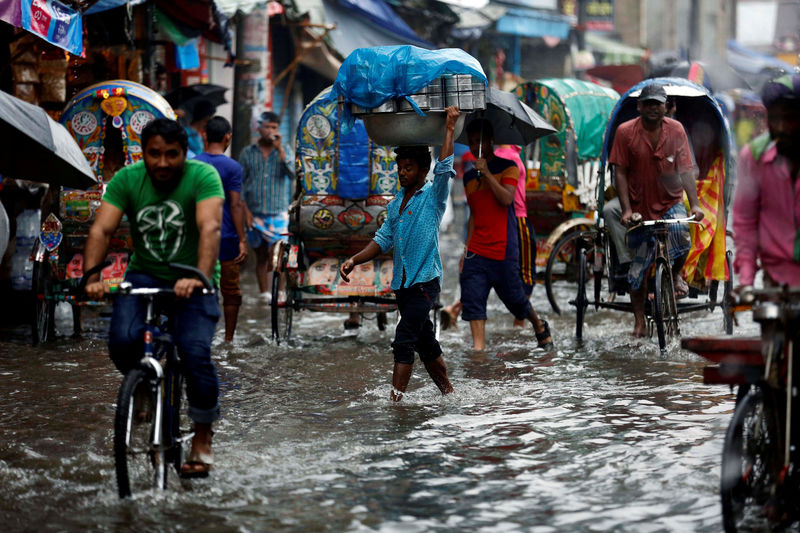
(345, 182)
(130, 106)
(560, 194)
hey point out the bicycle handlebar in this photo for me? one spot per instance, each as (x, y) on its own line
(207, 287)
(664, 221)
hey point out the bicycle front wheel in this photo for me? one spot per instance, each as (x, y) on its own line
(666, 309)
(139, 464)
(750, 463)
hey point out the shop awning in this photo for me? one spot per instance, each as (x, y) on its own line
(533, 23)
(105, 5)
(358, 24)
(614, 52)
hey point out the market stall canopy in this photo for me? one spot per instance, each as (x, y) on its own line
(358, 24)
(513, 121)
(104, 5)
(587, 106)
(35, 147)
(614, 52)
(527, 22)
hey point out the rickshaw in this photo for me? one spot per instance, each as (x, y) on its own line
(563, 166)
(106, 120)
(344, 183)
(708, 262)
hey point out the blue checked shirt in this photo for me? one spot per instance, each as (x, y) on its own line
(414, 234)
(266, 183)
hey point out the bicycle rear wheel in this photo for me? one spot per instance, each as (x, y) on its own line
(666, 309)
(750, 463)
(581, 302)
(562, 266)
(139, 464)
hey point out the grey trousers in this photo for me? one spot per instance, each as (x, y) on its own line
(612, 213)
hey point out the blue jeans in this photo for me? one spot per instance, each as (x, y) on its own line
(415, 330)
(193, 323)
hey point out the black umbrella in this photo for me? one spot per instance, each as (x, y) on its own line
(188, 97)
(35, 147)
(513, 121)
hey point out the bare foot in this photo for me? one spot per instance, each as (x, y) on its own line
(639, 330)
(519, 323)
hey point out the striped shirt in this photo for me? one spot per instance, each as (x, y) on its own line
(266, 183)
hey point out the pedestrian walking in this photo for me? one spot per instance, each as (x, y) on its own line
(491, 253)
(412, 229)
(233, 241)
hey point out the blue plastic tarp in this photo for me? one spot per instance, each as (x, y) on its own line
(370, 76)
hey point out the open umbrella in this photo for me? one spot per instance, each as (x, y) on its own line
(35, 147)
(187, 97)
(513, 121)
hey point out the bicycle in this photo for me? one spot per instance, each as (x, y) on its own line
(147, 421)
(592, 248)
(760, 485)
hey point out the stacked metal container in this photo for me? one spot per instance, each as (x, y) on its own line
(396, 122)
(463, 90)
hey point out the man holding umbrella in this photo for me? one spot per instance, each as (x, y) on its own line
(491, 254)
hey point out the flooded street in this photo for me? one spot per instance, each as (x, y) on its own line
(607, 435)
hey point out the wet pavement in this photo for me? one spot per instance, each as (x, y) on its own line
(603, 435)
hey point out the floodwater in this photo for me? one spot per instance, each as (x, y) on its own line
(604, 435)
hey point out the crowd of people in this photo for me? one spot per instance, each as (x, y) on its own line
(209, 210)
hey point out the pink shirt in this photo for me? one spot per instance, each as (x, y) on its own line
(765, 212)
(512, 152)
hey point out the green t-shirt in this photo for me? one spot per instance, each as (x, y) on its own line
(163, 224)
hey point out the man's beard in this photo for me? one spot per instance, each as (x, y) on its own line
(788, 146)
(165, 185)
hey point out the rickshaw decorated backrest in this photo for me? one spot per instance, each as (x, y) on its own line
(120, 104)
(345, 179)
(701, 116)
(579, 111)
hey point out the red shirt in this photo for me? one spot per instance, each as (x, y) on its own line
(490, 217)
(649, 194)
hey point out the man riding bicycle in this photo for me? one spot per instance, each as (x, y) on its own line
(653, 164)
(767, 200)
(174, 208)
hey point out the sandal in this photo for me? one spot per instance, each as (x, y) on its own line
(199, 464)
(542, 337)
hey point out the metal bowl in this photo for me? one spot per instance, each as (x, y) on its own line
(405, 129)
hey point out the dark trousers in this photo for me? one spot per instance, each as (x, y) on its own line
(415, 330)
(193, 323)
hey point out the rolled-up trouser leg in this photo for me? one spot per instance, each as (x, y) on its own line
(195, 321)
(612, 213)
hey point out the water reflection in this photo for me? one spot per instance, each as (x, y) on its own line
(603, 435)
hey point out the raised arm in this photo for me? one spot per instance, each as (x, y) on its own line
(447, 146)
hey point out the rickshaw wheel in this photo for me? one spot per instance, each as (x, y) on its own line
(727, 317)
(43, 325)
(580, 300)
(750, 470)
(563, 263)
(666, 310)
(280, 311)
